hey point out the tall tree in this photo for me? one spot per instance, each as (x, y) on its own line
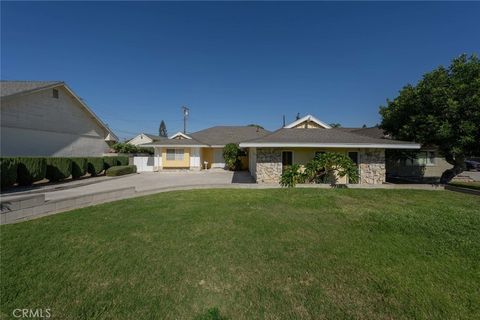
(162, 130)
(443, 109)
(255, 125)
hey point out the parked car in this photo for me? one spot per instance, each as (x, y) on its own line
(472, 165)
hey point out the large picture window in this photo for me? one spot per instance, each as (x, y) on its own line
(175, 154)
(420, 158)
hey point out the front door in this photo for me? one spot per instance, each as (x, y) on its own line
(287, 159)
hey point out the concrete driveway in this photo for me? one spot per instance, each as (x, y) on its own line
(149, 181)
(475, 175)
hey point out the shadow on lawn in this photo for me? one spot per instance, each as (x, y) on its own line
(211, 314)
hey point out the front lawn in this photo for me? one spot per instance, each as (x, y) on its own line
(251, 254)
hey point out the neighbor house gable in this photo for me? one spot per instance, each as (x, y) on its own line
(13, 90)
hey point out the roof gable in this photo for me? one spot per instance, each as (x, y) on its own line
(180, 135)
(308, 122)
(10, 89)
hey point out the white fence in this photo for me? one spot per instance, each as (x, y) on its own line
(144, 164)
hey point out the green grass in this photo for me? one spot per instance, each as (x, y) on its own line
(251, 254)
(470, 185)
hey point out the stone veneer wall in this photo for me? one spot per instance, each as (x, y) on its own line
(269, 165)
(372, 166)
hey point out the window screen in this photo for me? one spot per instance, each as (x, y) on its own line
(175, 154)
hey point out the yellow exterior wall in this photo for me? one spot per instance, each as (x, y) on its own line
(185, 163)
(206, 154)
(245, 162)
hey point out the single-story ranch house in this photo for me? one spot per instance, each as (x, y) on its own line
(46, 118)
(267, 153)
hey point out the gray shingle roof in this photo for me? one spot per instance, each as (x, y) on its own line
(8, 87)
(222, 135)
(154, 137)
(323, 136)
(372, 132)
(174, 143)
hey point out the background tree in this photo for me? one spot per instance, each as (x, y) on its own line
(255, 125)
(443, 109)
(335, 125)
(162, 130)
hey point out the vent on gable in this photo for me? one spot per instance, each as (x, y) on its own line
(55, 93)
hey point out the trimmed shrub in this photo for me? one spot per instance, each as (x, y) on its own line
(120, 170)
(291, 176)
(231, 154)
(109, 162)
(95, 165)
(122, 161)
(58, 168)
(30, 170)
(8, 167)
(79, 167)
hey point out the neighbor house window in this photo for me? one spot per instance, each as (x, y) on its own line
(430, 158)
(175, 154)
(421, 158)
(55, 93)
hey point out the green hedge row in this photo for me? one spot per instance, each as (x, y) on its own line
(120, 170)
(8, 167)
(27, 170)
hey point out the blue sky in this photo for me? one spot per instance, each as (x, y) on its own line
(233, 63)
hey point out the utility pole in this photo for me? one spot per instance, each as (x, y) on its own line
(185, 116)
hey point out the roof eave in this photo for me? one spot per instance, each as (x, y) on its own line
(27, 92)
(152, 145)
(328, 145)
(90, 111)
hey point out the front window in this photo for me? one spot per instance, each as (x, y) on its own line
(287, 158)
(175, 154)
(354, 156)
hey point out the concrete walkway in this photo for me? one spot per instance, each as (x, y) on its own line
(19, 206)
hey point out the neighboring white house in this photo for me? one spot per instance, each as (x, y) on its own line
(46, 118)
(143, 138)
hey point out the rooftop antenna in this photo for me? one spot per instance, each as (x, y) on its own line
(185, 111)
